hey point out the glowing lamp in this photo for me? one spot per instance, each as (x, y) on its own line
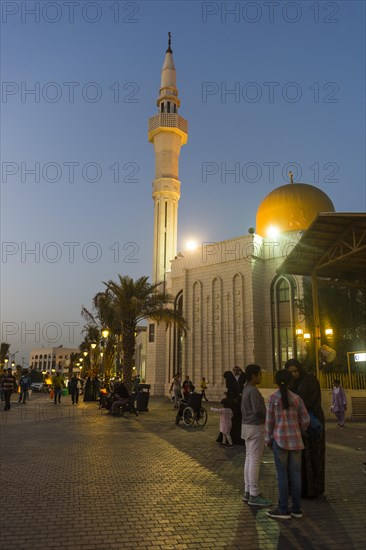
(273, 231)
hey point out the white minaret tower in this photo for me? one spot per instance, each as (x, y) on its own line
(168, 131)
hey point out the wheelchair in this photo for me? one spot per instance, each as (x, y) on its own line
(191, 411)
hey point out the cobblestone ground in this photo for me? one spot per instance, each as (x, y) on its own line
(73, 477)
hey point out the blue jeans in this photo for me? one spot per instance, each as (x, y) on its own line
(288, 467)
(57, 394)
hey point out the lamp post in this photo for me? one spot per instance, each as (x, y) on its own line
(93, 345)
(105, 334)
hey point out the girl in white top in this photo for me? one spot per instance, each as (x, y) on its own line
(226, 415)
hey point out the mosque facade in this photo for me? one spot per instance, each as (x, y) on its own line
(238, 309)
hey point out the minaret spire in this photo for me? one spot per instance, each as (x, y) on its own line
(169, 50)
(168, 131)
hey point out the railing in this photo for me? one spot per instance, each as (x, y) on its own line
(356, 381)
(170, 120)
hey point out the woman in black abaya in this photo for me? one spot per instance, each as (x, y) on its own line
(313, 456)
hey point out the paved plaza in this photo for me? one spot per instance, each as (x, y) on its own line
(73, 477)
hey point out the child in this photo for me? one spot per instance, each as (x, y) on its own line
(339, 402)
(226, 415)
(286, 418)
(204, 388)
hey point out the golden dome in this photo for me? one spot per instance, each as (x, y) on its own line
(291, 207)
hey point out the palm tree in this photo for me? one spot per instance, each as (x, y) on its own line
(132, 302)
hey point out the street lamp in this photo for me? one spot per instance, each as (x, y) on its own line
(105, 334)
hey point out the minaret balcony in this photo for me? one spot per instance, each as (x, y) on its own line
(169, 122)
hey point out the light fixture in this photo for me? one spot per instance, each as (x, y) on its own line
(93, 345)
(329, 332)
(191, 245)
(105, 333)
(85, 353)
(273, 231)
(299, 332)
(307, 336)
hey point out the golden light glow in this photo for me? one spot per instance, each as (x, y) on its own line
(328, 332)
(85, 353)
(105, 333)
(191, 245)
(273, 231)
(93, 345)
(299, 332)
(307, 336)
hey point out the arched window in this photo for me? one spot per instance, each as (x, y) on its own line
(178, 336)
(283, 294)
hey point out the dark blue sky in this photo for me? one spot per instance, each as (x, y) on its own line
(296, 71)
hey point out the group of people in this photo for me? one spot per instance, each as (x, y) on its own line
(292, 426)
(182, 388)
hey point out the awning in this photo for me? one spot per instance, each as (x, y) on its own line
(334, 247)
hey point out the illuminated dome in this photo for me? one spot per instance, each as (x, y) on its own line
(291, 207)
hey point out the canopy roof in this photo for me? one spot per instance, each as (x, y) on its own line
(334, 246)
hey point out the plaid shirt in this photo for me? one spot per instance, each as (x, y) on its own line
(285, 425)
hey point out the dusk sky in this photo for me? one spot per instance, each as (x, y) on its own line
(266, 87)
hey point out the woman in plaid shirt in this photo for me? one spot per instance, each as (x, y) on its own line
(286, 418)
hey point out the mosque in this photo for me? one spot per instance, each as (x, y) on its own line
(238, 308)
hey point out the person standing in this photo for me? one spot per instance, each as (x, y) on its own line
(8, 385)
(253, 411)
(313, 456)
(88, 389)
(74, 386)
(339, 402)
(25, 384)
(1, 384)
(176, 388)
(235, 381)
(58, 383)
(226, 415)
(187, 387)
(287, 418)
(95, 388)
(204, 388)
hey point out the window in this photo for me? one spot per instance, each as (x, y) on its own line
(162, 107)
(283, 291)
(168, 107)
(283, 315)
(175, 108)
(151, 332)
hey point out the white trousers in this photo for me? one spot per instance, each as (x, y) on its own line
(254, 448)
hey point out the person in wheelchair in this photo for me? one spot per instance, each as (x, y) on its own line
(192, 400)
(123, 398)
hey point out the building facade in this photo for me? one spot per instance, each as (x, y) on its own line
(238, 309)
(48, 359)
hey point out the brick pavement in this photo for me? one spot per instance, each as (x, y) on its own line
(73, 477)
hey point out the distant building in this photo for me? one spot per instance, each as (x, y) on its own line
(46, 359)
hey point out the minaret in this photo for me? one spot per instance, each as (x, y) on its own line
(168, 131)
